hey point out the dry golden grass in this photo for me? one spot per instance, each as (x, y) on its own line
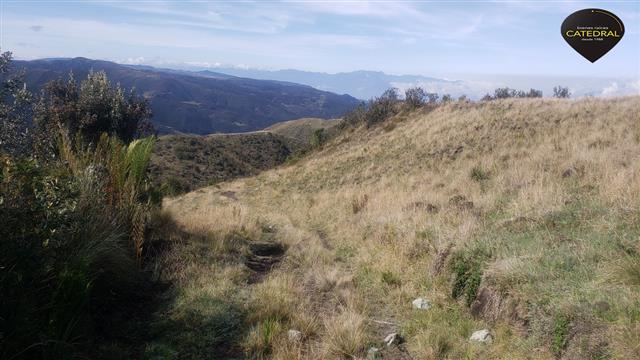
(549, 189)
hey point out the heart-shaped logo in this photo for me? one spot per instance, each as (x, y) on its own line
(592, 32)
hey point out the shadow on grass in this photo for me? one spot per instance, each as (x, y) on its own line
(180, 321)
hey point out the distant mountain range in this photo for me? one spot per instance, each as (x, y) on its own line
(368, 84)
(360, 84)
(201, 102)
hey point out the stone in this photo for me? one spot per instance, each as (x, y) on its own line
(294, 335)
(392, 339)
(421, 304)
(482, 336)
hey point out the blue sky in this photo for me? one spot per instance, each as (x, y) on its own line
(433, 38)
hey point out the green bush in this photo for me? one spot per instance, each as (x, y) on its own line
(467, 267)
(87, 111)
(67, 233)
(318, 138)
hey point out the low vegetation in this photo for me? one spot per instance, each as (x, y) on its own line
(74, 204)
(516, 215)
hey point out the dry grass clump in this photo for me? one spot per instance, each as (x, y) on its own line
(532, 204)
(345, 335)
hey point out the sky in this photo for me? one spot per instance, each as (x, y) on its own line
(449, 39)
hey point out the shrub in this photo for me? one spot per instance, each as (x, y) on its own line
(561, 92)
(432, 98)
(318, 138)
(414, 97)
(355, 116)
(506, 93)
(15, 105)
(467, 269)
(383, 107)
(67, 255)
(88, 111)
(72, 230)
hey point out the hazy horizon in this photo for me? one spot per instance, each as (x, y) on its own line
(430, 38)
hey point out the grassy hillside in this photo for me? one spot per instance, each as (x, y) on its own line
(518, 216)
(185, 162)
(299, 132)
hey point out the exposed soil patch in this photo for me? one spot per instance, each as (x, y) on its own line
(262, 257)
(229, 194)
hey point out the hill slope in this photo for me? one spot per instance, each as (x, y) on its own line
(299, 132)
(519, 216)
(187, 162)
(202, 104)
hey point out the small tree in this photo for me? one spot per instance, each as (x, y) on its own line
(561, 92)
(96, 107)
(415, 97)
(446, 98)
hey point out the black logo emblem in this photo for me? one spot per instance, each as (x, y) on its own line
(592, 32)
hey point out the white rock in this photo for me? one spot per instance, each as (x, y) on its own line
(421, 304)
(294, 335)
(482, 336)
(373, 353)
(392, 339)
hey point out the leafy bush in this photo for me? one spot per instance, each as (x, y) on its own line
(318, 138)
(383, 107)
(88, 111)
(415, 97)
(73, 226)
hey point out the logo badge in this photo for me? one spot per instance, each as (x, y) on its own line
(592, 32)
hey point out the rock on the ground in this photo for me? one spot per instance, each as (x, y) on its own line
(482, 336)
(392, 339)
(421, 304)
(373, 353)
(294, 335)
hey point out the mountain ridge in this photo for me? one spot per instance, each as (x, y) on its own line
(186, 102)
